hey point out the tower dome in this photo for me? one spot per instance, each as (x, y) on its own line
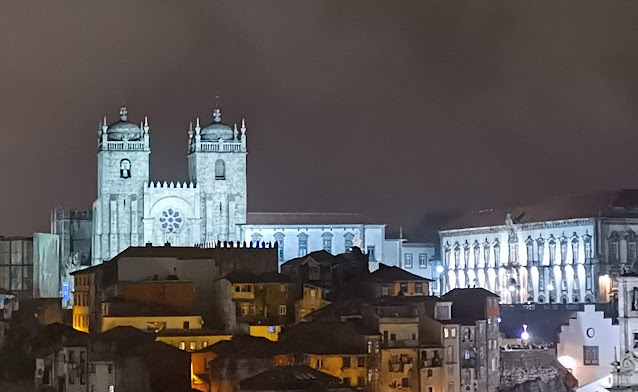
(217, 130)
(123, 130)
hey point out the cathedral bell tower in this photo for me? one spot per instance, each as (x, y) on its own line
(217, 165)
(123, 168)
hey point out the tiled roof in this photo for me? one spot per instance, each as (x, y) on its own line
(468, 305)
(297, 378)
(389, 274)
(245, 346)
(307, 218)
(320, 337)
(249, 277)
(610, 203)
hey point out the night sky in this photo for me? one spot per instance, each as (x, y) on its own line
(391, 108)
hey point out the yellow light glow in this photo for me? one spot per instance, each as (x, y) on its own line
(567, 361)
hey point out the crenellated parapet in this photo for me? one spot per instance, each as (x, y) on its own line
(170, 185)
(238, 244)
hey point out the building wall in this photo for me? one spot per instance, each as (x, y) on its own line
(140, 322)
(408, 289)
(462, 248)
(46, 266)
(432, 372)
(265, 304)
(16, 265)
(417, 258)
(366, 237)
(174, 293)
(399, 332)
(399, 367)
(312, 300)
(337, 365)
(588, 329)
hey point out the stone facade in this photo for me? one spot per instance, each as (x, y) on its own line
(132, 210)
(565, 250)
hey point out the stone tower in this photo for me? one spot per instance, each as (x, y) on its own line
(123, 170)
(217, 164)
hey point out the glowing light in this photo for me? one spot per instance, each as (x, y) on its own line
(525, 334)
(439, 269)
(567, 361)
(512, 288)
(499, 320)
(550, 287)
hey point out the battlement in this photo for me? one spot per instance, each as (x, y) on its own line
(171, 185)
(237, 244)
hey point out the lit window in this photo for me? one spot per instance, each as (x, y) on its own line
(193, 346)
(453, 332)
(466, 354)
(446, 333)
(182, 346)
(279, 238)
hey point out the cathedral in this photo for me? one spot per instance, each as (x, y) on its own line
(208, 208)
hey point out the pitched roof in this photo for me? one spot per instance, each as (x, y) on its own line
(468, 305)
(249, 277)
(297, 378)
(244, 346)
(389, 274)
(307, 218)
(608, 203)
(319, 337)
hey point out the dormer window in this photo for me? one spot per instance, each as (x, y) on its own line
(442, 312)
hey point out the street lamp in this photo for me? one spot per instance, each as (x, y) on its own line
(525, 334)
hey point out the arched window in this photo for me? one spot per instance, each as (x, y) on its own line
(125, 168)
(220, 170)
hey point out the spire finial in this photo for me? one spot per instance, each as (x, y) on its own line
(243, 126)
(190, 126)
(235, 132)
(197, 127)
(123, 113)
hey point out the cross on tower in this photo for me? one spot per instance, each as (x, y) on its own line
(123, 113)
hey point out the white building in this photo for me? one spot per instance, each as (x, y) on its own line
(208, 207)
(567, 250)
(587, 345)
(418, 258)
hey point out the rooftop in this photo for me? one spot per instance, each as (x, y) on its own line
(307, 218)
(249, 277)
(244, 346)
(390, 274)
(590, 205)
(468, 305)
(297, 378)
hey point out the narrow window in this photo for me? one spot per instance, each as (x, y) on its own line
(348, 241)
(303, 244)
(371, 253)
(423, 261)
(125, 168)
(327, 242)
(408, 260)
(220, 170)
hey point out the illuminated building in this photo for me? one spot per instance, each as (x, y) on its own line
(586, 345)
(563, 250)
(394, 281)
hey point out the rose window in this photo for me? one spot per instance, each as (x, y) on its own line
(171, 220)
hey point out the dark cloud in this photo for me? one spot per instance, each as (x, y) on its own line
(384, 107)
